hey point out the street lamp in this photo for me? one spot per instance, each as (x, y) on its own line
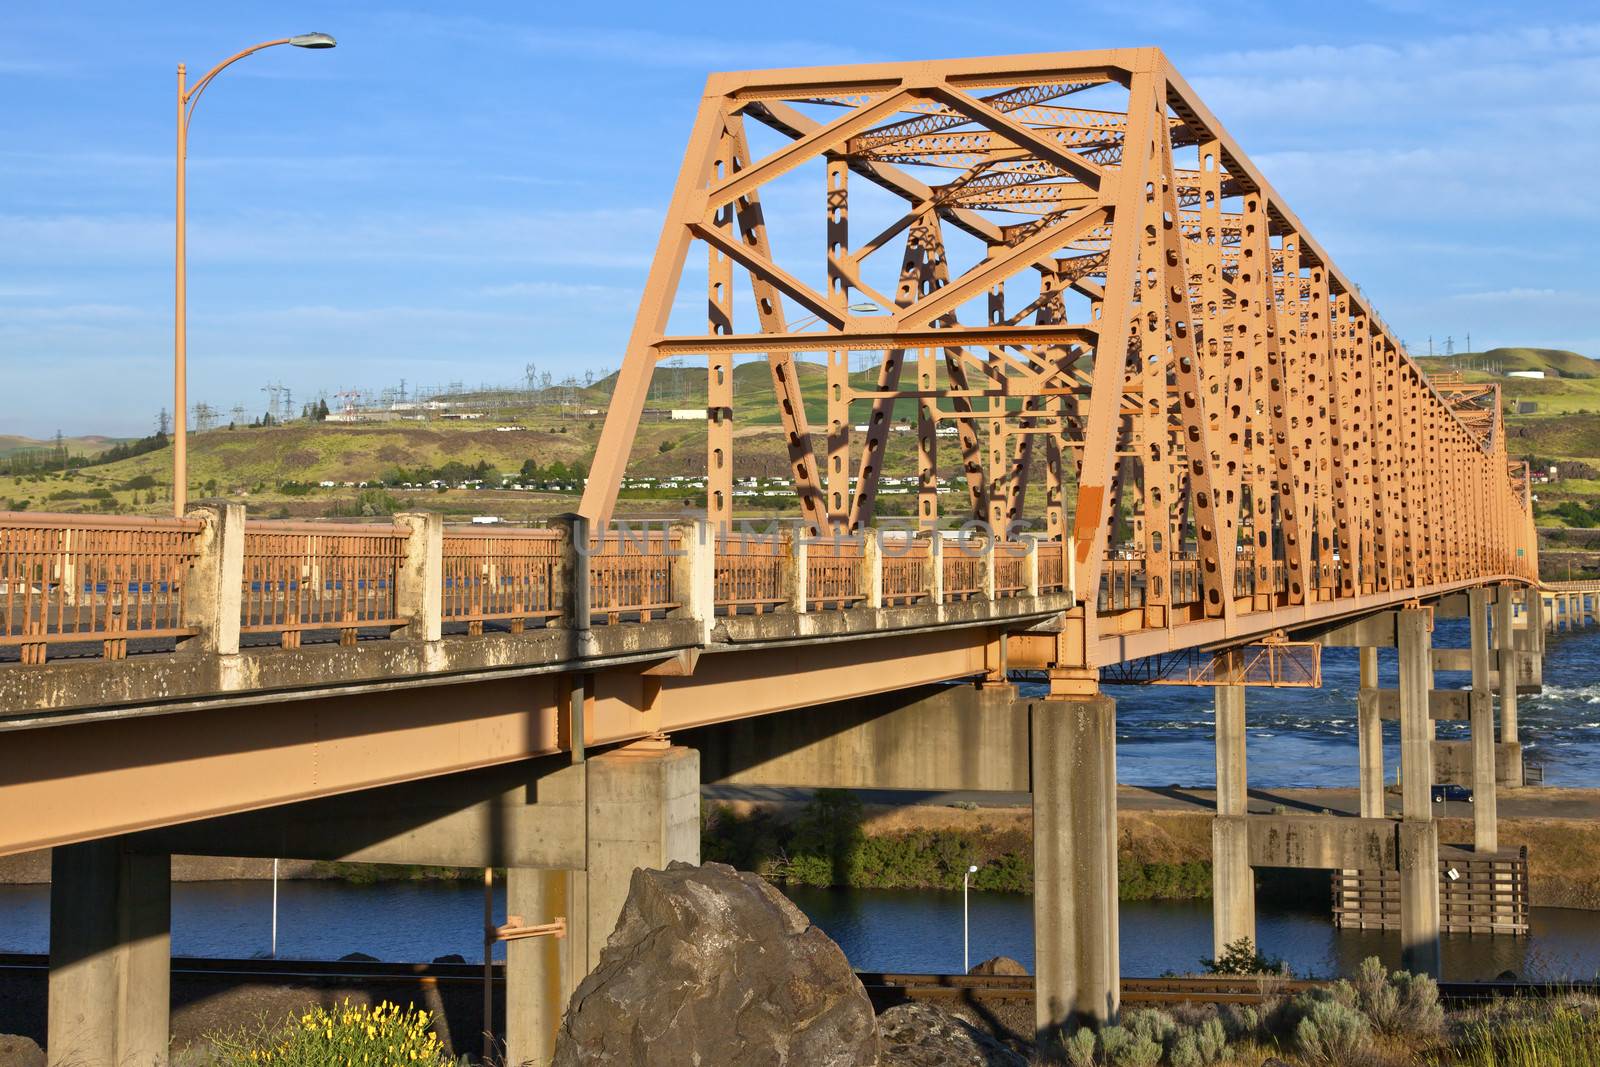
(966, 961)
(187, 99)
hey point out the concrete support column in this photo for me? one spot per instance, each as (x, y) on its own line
(1419, 837)
(1369, 733)
(1508, 657)
(1485, 814)
(1075, 860)
(110, 956)
(1233, 890)
(935, 567)
(539, 972)
(642, 810)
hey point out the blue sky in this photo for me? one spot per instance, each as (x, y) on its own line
(459, 190)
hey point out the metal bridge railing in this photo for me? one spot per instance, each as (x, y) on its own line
(320, 576)
(72, 578)
(630, 575)
(510, 576)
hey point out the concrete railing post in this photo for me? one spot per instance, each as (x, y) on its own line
(795, 574)
(212, 597)
(1030, 566)
(991, 559)
(935, 567)
(694, 573)
(870, 575)
(572, 577)
(419, 592)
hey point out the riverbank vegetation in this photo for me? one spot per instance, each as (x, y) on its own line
(828, 845)
(355, 1034)
(1377, 1019)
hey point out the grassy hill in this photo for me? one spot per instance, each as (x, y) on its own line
(89, 445)
(270, 468)
(1554, 361)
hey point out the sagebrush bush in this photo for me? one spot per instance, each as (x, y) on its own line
(1333, 1033)
(381, 1036)
(1152, 1024)
(1398, 1003)
(1079, 1048)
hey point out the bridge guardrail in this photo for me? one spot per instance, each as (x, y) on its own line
(510, 576)
(76, 578)
(312, 576)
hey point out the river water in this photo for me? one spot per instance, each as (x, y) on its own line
(1297, 738)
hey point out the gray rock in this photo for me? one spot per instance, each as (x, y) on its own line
(920, 1035)
(709, 967)
(20, 1052)
(1000, 965)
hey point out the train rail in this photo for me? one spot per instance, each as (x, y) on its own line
(883, 988)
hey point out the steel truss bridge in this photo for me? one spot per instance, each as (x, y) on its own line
(1064, 259)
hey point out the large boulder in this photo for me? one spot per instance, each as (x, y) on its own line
(709, 967)
(920, 1035)
(1003, 965)
(18, 1051)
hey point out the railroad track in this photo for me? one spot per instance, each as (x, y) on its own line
(881, 987)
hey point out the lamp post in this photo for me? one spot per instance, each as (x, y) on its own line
(187, 99)
(966, 961)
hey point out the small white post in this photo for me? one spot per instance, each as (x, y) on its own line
(274, 952)
(966, 960)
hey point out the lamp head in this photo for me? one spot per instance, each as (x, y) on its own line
(973, 869)
(313, 40)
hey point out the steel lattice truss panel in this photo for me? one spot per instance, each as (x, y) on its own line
(1065, 260)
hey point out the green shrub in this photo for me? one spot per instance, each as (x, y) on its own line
(1398, 1003)
(1080, 1048)
(1241, 957)
(382, 1036)
(1333, 1033)
(1151, 1024)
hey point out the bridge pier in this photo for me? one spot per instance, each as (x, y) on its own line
(1076, 954)
(1485, 813)
(1369, 736)
(110, 956)
(1509, 664)
(1419, 834)
(642, 811)
(1233, 891)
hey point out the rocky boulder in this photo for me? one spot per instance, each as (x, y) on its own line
(709, 967)
(20, 1052)
(920, 1035)
(1000, 965)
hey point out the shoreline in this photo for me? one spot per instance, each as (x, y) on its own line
(1168, 830)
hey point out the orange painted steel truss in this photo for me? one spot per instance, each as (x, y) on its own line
(1094, 288)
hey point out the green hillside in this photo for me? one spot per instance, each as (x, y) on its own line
(1554, 361)
(90, 445)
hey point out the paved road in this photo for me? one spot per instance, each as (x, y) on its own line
(1520, 804)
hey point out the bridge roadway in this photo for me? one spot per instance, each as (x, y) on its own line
(1233, 447)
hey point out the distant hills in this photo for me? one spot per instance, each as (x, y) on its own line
(86, 445)
(1553, 361)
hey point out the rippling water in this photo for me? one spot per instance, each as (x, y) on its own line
(1307, 737)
